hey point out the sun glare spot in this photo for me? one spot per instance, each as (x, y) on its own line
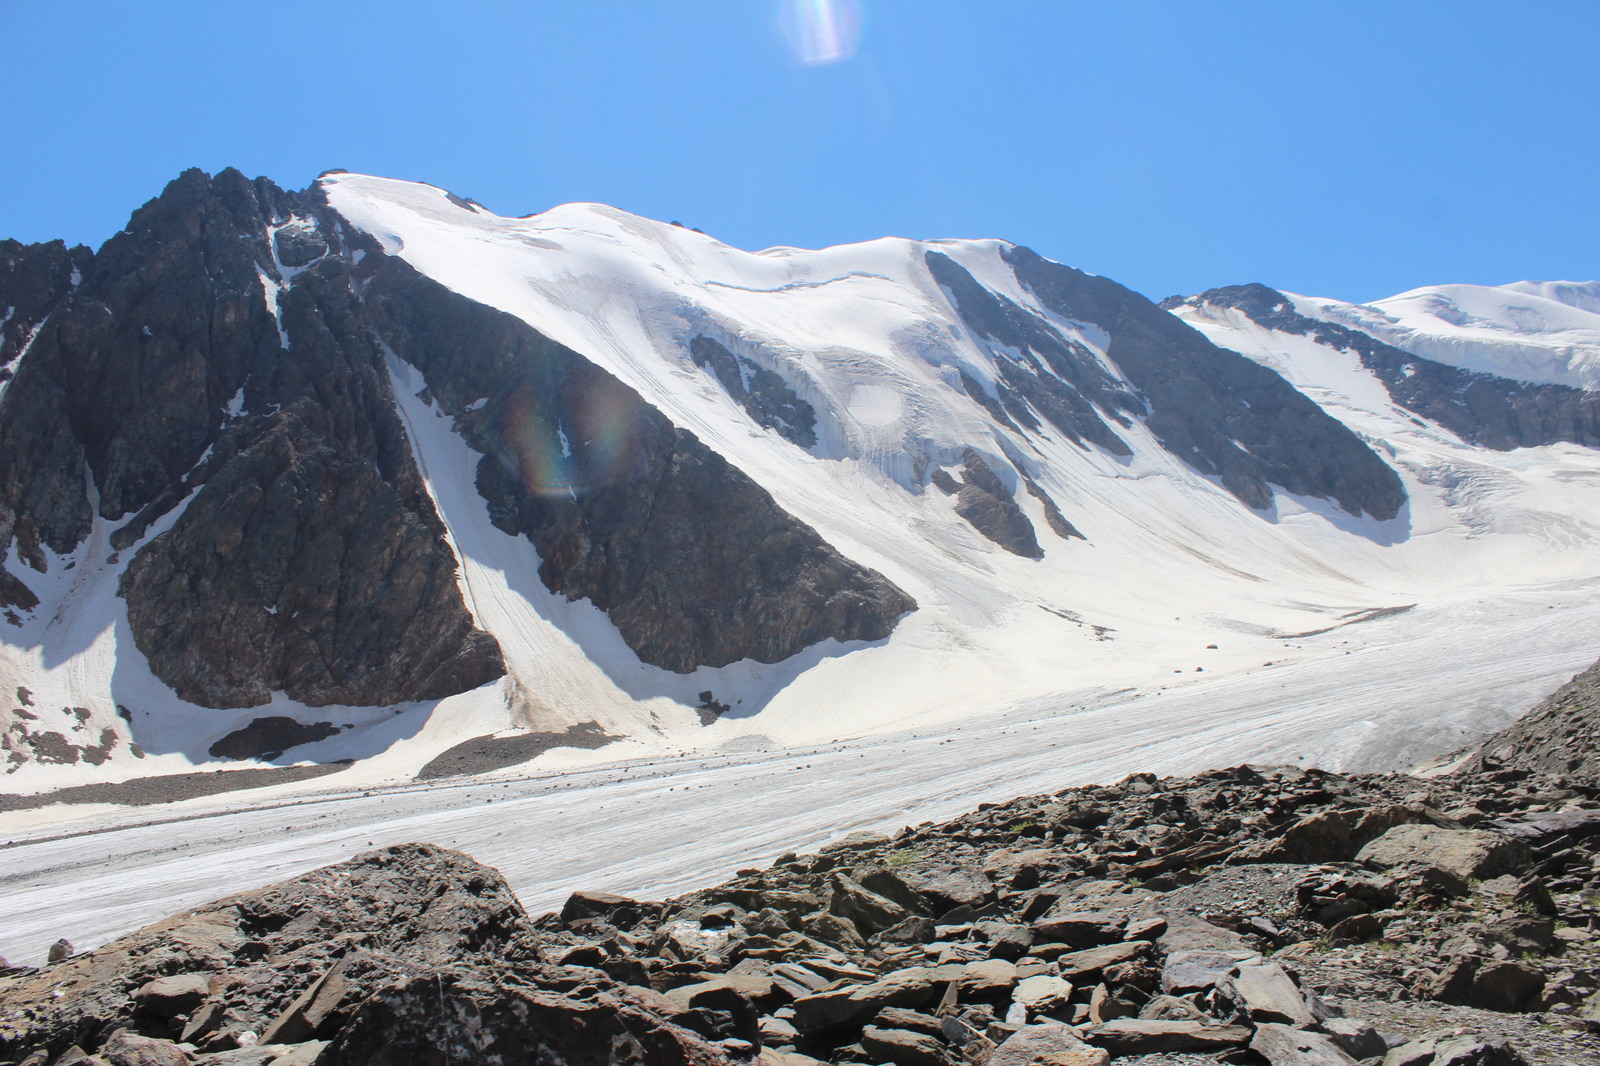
(821, 31)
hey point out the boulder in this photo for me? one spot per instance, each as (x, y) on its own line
(1153, 1036)
(620, 911)
(1489, 984)
(168, 997)
(947, 885)
(1193, 971)
(870, 912)
(1266, 993)
(444, 1017)
(1356, 1038)
(1083, 929)
(1042, 992)
(1048, 1042)
(1283, 1045)
(126, 1048)
(852, 1005)
(1328, 835)
(1093, 960)
(1466, 853)
(905, 1048)
(1449, 1049)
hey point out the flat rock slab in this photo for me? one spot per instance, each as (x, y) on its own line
(1466, 853)
(1042, 991)
(1191, 971)
(1048, 1042)
(905, 1048)
(1268, 994)
(1283, 1045)
(1142, 1036)
(1084, 929)
(1093, 960)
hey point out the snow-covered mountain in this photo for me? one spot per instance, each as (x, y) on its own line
(369, 472)
(1543, 331)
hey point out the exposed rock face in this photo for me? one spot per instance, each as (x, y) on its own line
(693, 561)
(309, 558)
(990, 508)
(1219, 412)
(1482, 409)
(1051, 376)
(1559, 736)
(268, 738)
(34, 278)
(216, 358)
(764, 395)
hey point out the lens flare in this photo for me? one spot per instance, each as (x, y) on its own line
(821, 31)
(589, 445)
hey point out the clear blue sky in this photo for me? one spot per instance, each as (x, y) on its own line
(1351, 149)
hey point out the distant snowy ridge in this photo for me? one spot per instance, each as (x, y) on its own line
(1540, 331)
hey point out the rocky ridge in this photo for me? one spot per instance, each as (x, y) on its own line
(213, 386)
(1246, 915)
(1561, 735)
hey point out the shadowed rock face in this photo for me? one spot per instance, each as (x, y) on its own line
(1050, 376)
(1219, 412)
(765, 396)
(693, 561)
(34, 278)
(216, 358)
(309, 558)
(985, 502)
(1482, 409)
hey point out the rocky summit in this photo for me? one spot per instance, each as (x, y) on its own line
(1247, 915)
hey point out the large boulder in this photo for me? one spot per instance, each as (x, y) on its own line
(406, 909)
(444, 1017)
(1466, 853)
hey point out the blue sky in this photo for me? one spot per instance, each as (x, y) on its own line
(1347, 149)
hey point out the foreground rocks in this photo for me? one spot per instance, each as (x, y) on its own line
(1245, 915)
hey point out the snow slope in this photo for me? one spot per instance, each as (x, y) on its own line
(1176, 583)
(1540, 331)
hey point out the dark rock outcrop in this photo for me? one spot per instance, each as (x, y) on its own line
(1050, 376)
(376, 919)
(1224, 415)
(764, 395)
(693, 561)
(445, 1018)
(1482, 409)
(268, 738)
(989, 507)
(308, 557)
(34, 279)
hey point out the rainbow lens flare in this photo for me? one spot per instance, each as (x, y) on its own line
(592, 444)
(821, 31)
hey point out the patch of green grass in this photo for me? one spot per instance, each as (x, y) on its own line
(902, 857)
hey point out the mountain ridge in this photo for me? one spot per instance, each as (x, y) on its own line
(458, 384)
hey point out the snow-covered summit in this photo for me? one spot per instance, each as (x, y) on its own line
(1539, 331)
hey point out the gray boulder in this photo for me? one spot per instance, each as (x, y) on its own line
(1283, 1045)
(1466, 853)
